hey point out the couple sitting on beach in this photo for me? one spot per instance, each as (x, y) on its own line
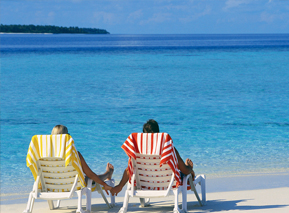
(151, 126)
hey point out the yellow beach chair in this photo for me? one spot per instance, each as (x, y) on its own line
(55, 165)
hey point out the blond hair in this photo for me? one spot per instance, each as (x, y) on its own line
(59, 129)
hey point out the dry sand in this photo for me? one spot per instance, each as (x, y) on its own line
(251, 192)
(261, 200)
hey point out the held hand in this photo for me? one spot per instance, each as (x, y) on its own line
(115, 190)
(107, 188)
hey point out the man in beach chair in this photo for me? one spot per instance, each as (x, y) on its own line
(153, 144)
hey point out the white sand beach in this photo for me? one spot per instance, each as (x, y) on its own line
(261, 193)
(262, 200)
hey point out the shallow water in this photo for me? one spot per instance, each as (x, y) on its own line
(222, 98)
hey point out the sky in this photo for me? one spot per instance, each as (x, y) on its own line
(153, 16)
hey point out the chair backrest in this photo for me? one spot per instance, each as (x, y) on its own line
(149, 174)
(152, 144)
(55, 177)
(55, 160)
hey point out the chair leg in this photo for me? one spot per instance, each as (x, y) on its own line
(123, 209)
(88, 200)
(98, 188)
(58, 204)
(176, 201)
(203, 189)
(193, 188)
(30, 204)
(112, 200)
(112, 197)
(88, 192)
(105, 200)
(50, 204)
(184, 198)
(144, 202)
(79, 202)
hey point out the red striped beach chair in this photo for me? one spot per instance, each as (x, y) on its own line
(153, 168)
(56, 168)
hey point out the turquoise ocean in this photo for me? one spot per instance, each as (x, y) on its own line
(224, 99)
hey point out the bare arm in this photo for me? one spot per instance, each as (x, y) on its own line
(185, 169)
(124, 179)
(89, 173)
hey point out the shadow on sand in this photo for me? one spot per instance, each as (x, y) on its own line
(224, 205)
(211, 206)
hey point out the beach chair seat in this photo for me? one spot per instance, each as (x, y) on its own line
(153, 169)
(55, 165)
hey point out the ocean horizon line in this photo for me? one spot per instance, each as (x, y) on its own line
(150, 34)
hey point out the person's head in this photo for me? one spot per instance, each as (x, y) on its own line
(151, 126)
(59, 129)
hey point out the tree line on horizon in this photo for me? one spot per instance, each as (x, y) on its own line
(17, 28)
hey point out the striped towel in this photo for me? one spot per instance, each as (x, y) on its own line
(152, 144)
(61, 146)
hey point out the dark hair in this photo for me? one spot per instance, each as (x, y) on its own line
(151, 126)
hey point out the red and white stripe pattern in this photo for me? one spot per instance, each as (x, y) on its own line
(152, 144)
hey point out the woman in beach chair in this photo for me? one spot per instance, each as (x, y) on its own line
(151, 126)
(60, 129)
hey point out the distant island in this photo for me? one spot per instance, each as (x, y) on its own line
(14, 28)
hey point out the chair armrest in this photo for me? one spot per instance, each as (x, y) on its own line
(171, 184)
(35, 187)
(73, 186)
(132, 184)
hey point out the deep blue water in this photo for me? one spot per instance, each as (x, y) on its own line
(223, 98)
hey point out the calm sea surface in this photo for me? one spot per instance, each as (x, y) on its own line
(224, 99)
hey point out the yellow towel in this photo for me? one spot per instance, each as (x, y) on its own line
(61, 146)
